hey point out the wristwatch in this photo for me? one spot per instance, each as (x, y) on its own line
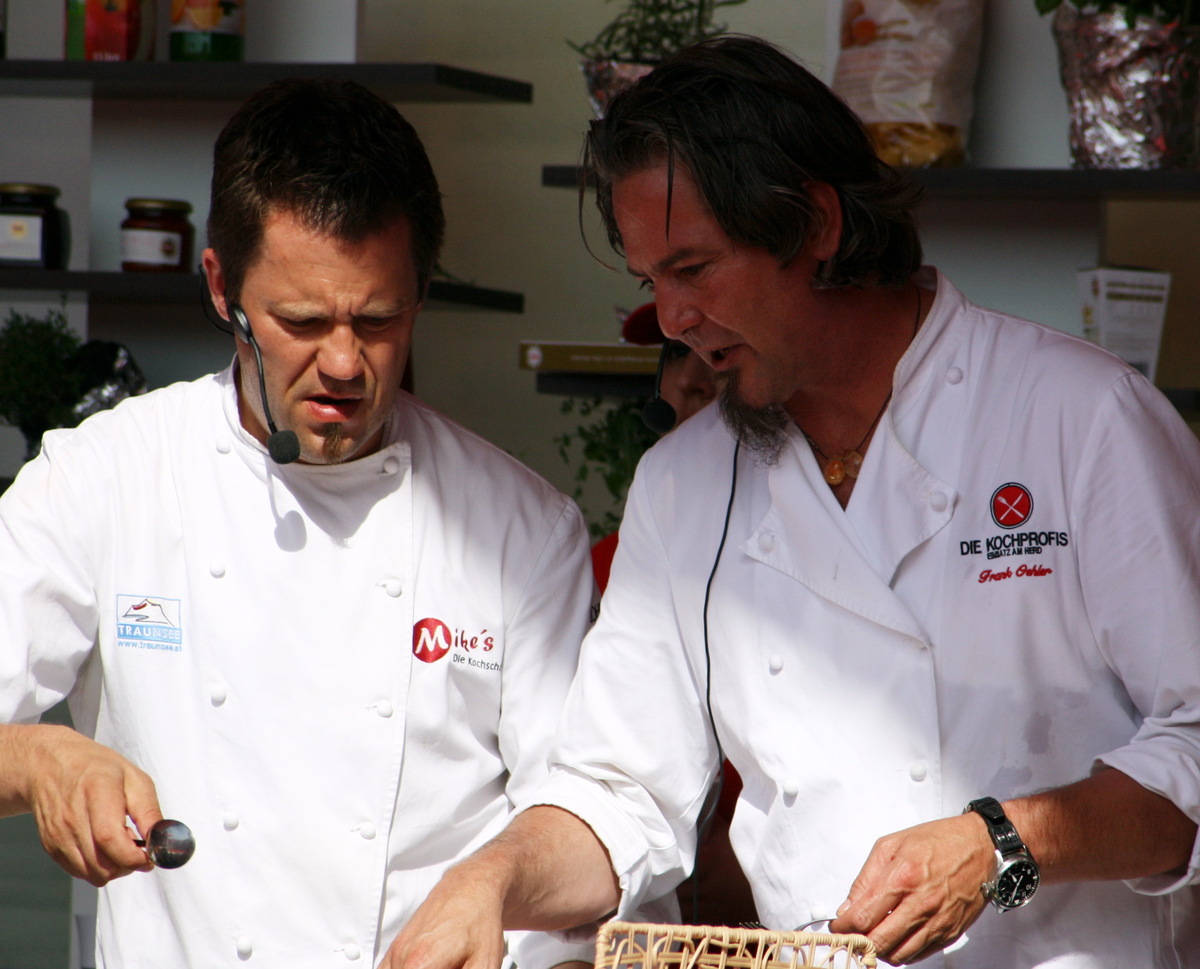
(1017, 873)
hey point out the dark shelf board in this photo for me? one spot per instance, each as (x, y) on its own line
(1010, 183)
(184, 288)
(163, 80)
(595, 384)
(1055, 183)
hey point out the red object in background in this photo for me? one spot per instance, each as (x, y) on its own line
(119, 30)
(602, 556)
(641, 326)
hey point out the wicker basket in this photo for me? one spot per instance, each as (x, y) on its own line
(633, 945)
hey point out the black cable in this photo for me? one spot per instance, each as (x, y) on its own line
(710, 807)
(206, 302)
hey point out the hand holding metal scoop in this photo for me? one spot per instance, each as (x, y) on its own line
(170, 844)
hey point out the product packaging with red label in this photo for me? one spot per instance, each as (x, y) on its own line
(110, 30)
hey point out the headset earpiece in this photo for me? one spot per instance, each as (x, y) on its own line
(238, 317)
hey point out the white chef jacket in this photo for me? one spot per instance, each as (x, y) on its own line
(338, 676)
(1009, 600)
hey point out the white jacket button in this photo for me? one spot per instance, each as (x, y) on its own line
(954, 376)
(230, 821)
(775, 662)
(366, 831)
(245, 946)
(223, 446)
(216, 569)
(391, 466)
(384, 708)
(217, 696)
(393, 588)
(790, 788)
(938, 501)
(352, 952)
(766, 541)
(918, 771)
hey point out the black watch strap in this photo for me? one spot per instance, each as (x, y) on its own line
(1004, 835)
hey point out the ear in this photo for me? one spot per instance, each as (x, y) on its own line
(216, 281)
(827, 230)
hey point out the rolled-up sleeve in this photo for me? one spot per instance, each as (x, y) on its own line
(635, 754)
(1137, 505)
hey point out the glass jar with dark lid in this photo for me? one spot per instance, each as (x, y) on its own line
(34, 232)
(157, 236)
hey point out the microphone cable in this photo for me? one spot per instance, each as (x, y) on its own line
(711, 802)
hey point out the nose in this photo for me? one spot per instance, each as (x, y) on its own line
(676, 315)
(340, 355)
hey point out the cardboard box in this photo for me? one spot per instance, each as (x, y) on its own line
(1123, 311)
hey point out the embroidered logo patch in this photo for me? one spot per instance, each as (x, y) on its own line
(1010, 507)
(149, 622)
(1012, 504)
(433, 639)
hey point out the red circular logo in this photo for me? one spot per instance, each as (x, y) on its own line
(1012, 504)
(431, 640)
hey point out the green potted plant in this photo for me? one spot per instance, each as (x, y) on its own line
(1131, 72)
(36, 390)
(640, 36)
(50, 378)
(608, 447)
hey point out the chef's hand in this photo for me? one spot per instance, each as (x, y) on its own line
(80, 793)
(458, 926)
(920, 888)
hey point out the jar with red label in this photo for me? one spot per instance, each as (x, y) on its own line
(157, 236)
(34, 232)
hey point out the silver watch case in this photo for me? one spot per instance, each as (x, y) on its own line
(1016, 881)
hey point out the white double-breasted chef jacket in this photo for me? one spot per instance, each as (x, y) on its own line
(339, 677)
(1010, 599)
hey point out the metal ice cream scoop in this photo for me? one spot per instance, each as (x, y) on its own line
(170, 844)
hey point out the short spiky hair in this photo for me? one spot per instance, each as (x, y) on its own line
(753, 128)
(341, 159)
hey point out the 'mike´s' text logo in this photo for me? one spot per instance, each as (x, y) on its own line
(433, 639)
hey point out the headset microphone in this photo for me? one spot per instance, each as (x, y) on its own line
(658, 415)
(283, 446)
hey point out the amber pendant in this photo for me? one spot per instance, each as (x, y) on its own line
(835, 471)
(853, 462)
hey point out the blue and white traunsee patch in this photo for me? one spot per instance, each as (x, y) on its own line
(149, 622)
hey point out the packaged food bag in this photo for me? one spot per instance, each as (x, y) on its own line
(907, 68)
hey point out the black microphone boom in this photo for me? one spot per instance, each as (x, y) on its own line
(658, 415)
(283, 446)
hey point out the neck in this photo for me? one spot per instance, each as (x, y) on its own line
(866, 334)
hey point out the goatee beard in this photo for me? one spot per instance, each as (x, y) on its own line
(763, 430)
(331, 446)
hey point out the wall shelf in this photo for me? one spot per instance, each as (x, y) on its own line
(595, 384)
(1009, 183)
(183, 81)
(184, 288)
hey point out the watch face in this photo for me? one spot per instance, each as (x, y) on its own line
(1016, 883)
